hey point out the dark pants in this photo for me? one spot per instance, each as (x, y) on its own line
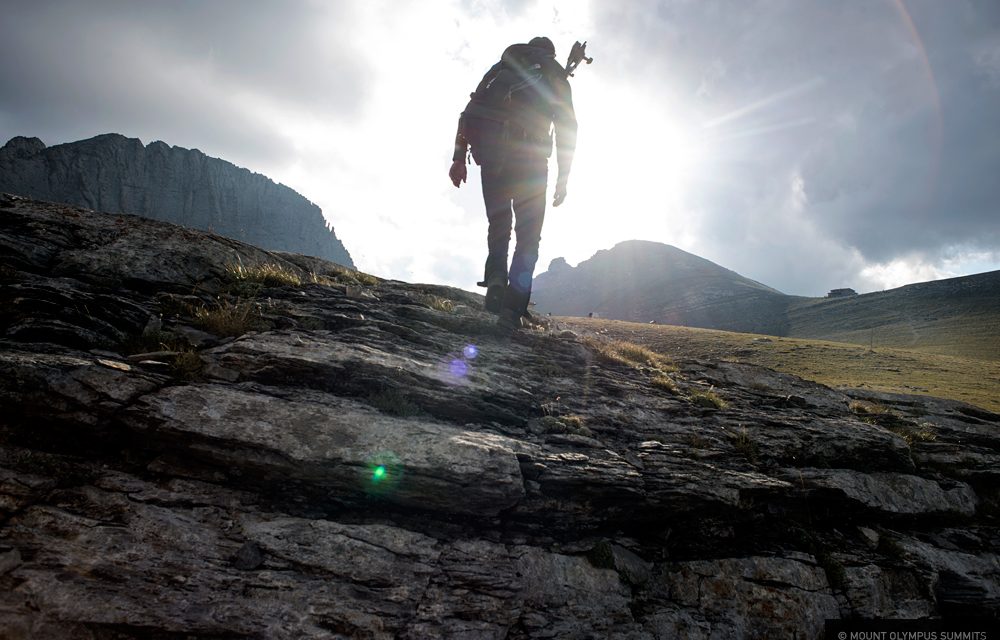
(514, 191)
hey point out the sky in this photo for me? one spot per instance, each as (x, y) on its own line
(806, 144)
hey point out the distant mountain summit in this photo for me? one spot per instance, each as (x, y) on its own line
(117, 174)
(641, 281)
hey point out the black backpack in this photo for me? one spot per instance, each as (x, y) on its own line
(517, 79)
(518, 91)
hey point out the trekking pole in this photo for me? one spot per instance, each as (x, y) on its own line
(577, 55)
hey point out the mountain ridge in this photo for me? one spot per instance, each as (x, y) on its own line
(950, 316)
(111, 172)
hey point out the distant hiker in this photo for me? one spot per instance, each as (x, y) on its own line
(508, 123)
(590, 315)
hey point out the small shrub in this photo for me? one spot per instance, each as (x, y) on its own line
(394, 403)
(230, 318)
(149, 341)
(440, 304)
(708, 399)
(311, 323)
(863, 407)
(760, 387)
(187, 365)
(890, 548)
(912, 433)
(834, 569)
(267, 274)
(746, 445)
(173, 305)
(550, 369)
(696, 441)
(564, 424)
(343, 275)
(664, 382)
(602, 556)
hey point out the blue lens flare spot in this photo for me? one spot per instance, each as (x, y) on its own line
(470, 351)
(459, 369)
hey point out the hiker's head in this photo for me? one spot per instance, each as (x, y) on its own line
(543, 43)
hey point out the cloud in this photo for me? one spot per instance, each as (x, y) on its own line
(204, 75)
(882, 110)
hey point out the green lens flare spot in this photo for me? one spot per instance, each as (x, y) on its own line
(382, 474)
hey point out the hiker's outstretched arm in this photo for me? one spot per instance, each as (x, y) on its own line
(458, 173)
(461, 144)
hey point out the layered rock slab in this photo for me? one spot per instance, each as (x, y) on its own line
(229, 485)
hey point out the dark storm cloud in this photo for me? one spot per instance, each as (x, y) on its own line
(171, 70)
(897, 153)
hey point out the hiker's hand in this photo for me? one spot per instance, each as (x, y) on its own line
(560, 194)
(458, 173)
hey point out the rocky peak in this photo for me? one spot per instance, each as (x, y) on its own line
(559, 265)
(111, 172)
(202, 438)
(22, 147)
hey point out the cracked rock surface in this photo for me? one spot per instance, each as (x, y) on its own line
(349, 457)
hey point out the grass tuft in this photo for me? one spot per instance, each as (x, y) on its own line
(628, 353)
(267, 274)
(342, 275)
(230, 318)
(440, 304)
(666, 383)
(708, 399)
(187, 365)
(746, 445)
(878, 414)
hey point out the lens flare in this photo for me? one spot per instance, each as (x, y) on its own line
(459, 369)
(384, 472)
(470, 351)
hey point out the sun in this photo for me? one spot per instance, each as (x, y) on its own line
(635, 169)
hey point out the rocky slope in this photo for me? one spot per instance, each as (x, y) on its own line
(117, 174)
(369, 459)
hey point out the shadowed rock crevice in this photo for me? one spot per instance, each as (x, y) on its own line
(188, 451)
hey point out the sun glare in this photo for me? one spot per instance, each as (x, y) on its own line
(635, 166)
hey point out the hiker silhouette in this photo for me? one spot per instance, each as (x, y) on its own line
(509, 124)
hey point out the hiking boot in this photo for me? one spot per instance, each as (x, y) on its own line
(508, 321)
(494, 297)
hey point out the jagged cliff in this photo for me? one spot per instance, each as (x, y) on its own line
(117, 174)
(186, 451)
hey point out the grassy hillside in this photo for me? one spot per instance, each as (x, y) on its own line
(958, 316)
(834, 364)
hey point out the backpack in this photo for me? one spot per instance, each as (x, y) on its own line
(516, 93)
